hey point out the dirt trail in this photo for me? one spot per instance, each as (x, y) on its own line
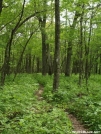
(39, 93)
(78, 128)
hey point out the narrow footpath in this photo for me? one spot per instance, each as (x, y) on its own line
(78, 128)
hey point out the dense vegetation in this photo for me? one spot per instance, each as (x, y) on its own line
(21, 111)
(83, 102)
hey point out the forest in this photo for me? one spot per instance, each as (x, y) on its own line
(50, 66)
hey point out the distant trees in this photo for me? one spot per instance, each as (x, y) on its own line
(33, 40)
(80, 38)
(42, 17)
(70, 44)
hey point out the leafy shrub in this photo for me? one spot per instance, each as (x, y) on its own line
(47, 94)
(42, 80)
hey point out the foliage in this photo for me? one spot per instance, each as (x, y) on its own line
(21, 112)
(86, 104)
(83, 102)
(43, 80)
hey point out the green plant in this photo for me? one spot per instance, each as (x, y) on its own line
(22, 113)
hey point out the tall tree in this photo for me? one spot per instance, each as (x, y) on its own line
(6, 65)
(57, 47)
(76, 6)
(42, 17)
(81, 48)
(1, 1)
(70, 45)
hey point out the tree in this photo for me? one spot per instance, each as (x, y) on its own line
(81, 48)
(70, 45)
(1, 1)
(42, 17)
(6, 65)
(80, 38)
(57, 47)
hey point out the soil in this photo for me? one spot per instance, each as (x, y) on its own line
(78, 128)
(39, 93)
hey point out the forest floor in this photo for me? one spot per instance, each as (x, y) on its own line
(28, 105)
(78, 128)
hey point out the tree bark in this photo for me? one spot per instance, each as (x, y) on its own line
(81, 49)
(38, 64)
(87, 62)
(28, 63)
(42, 21)
(70, 45)
(1, 1)
(57, 47)
(44, 49)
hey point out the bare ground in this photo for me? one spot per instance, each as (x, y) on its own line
(78, 128)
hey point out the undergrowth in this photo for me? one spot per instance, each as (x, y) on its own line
(22, 113)
(83, 102)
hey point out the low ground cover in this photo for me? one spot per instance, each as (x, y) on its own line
(84, 102)
(22, 113)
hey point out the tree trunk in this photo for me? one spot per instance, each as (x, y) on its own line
(33, 64)
(38, 64)
(21, 56)
(81, 49)
(28, 63)
(44, 51)
(87, 62)
(100, 65)
(6, 65)
(70, 45)
(57, 47)
(1, 1)
(42, 20)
